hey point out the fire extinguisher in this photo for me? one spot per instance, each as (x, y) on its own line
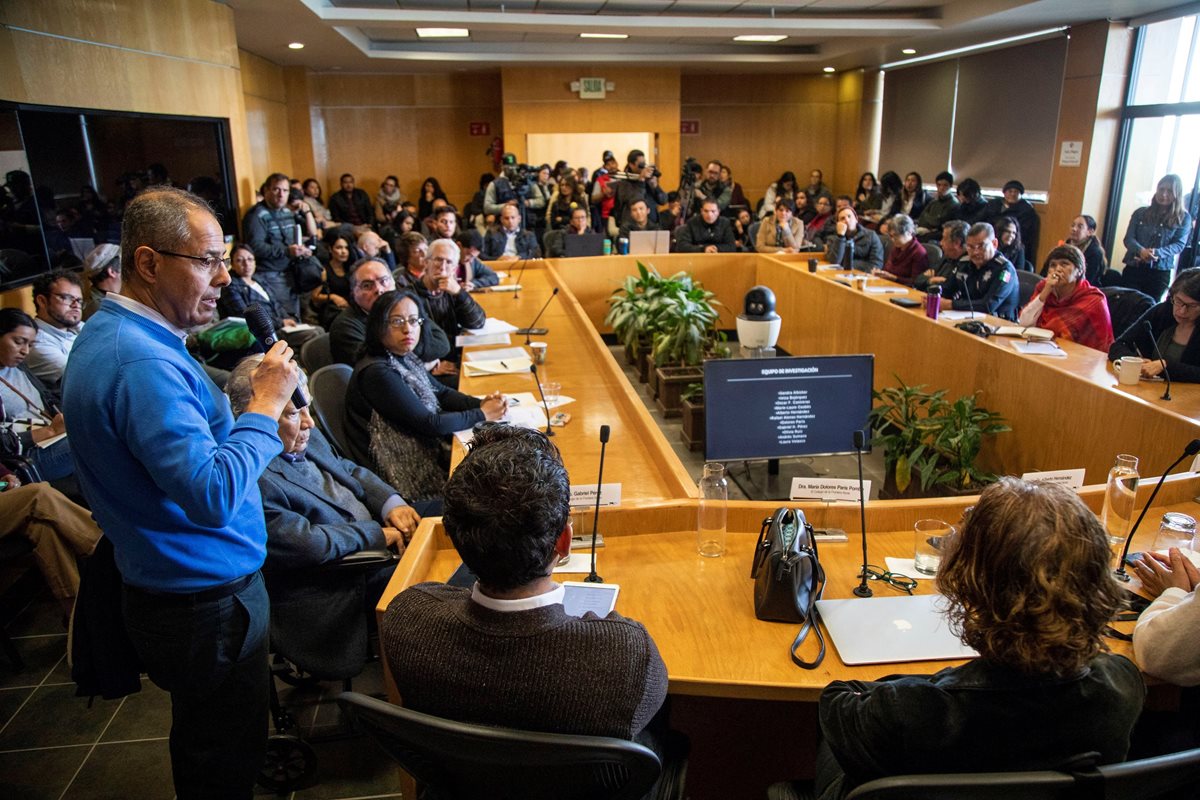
(496, 151)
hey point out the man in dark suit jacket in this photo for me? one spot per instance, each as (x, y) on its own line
(320, 508)
(509, 242)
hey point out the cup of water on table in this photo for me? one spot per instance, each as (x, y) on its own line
(927, 544)
(552, 390)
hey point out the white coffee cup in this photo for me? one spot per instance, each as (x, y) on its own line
(537, 350)
(1128, 370)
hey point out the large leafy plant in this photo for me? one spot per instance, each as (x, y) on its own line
(676, 316)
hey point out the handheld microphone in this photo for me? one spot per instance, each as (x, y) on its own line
(1158, 354)
(517, 282)
(860, 441)
(539, 331)
(1193, 447)
(259, 323)
(592, 576)
(545, 407)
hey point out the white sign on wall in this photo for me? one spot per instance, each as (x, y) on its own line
(1071, 154)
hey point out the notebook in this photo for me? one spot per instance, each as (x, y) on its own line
(649, 242)
(583, 244)
(886, 630)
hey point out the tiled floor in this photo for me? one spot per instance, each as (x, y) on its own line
(53, 746)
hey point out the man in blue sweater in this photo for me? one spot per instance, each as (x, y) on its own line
(172, 480)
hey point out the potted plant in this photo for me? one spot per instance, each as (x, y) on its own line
(685, 330)
(930, 444)
(631, 311)
(692, 409)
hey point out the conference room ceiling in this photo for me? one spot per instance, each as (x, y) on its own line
(695, 35)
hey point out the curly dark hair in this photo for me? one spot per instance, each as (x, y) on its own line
(506, 504)
(1028, 579)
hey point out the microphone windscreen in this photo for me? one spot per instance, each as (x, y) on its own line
(604, 431)
(860, 440)
(1192, 448)
(259, 323)
(533, 368)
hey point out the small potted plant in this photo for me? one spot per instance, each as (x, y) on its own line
(685, 331)
(692, 409)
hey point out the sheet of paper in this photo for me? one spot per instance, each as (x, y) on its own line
(466, 340)
(955, 316)
(51, 440)
(473, 369)
(505, 287)
(906, 566)
(1039, 349)
(299, 327)
(886, 290)
(499, 354)
(519, 399)
(493, 325)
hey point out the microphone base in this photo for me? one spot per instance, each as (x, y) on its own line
(531, 331)
(1121, 575)
(863, 591)
(594, 578)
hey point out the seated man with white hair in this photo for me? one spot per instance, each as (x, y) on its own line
(447, 301)
(320, 508)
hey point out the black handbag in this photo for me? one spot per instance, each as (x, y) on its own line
(306, 274)
(788, 578)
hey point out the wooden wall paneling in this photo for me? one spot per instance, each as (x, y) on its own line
(298, 98)
(267, 120)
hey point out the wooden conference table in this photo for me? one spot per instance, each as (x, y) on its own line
(730, 675)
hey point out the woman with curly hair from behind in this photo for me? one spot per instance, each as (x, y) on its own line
(1029, 585)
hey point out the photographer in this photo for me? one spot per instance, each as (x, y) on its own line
(638, 182)
(712, 188)
(512, 188)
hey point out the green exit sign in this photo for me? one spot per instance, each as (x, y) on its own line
(591, 88)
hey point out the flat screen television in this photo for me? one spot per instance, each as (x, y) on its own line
(764, 408)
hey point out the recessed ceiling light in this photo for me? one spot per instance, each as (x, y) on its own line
(829, 69)
(908, 51)
(296, 46)
(759, 37)
(604, 36)
(442, 33)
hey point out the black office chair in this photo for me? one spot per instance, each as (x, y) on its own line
(1125, 307)
(316, 353)
(1171, 776)
(461, 761)
(1027, 283)
(328, 388)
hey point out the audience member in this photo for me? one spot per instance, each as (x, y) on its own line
(511, 189)
(243, 291)
(387, 201)
(312, 196)
(370, 278)
(397, 417)
(58, 297)
(102, 267)
(890, 187)
(954, 254)
(784, 187)
(942, 208)
(1013, 204)
(1165, 637)
(27, 407)
(505, 652)
(509, 242)
(371, 245)
(816, 187)
(1008, 233)
(972, 206)
(334, 293)
(743, 224)
(707, 232)
(59, 530)
(639, 219)
(176, 493)
(568, 198)
(712, 188)
(781, 233)
(737, 197)
(430, 190)
(320, 508)
(854, 246)
(989, 283)
(1173, 326)
(804, 207)
(351, 206)
(270, 230)
(1064, 302)
(818, 236)
(446, 301)
(1083, 235)
(1030, 588)
(410, 250)
(640, 182)
(1156, 234)
(907, 259)
(913, 196)
(556, 245)
(866, 196)
(472, 273)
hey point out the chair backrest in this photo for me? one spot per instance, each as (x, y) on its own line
(1027, 281)
(1125, 306)
(461, 761)
(316, 354)
(328, 388)
(754, 226)
(1152, 777)
(934, 252)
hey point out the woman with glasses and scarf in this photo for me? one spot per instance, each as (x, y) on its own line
(1173, 328)
(396, 412)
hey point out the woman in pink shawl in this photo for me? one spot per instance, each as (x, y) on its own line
(1064, 302)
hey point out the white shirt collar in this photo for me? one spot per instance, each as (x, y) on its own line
(551, 597)
(143, 310)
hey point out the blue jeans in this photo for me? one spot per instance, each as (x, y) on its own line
(53, 462)
(211, 655)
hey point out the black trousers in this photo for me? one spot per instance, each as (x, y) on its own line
(211, 655)
(1153, 282)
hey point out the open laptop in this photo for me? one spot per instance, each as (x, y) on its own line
(649, 242)
(886, 630)
(583, 244)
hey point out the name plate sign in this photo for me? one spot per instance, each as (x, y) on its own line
(828, 489)
(585, 496)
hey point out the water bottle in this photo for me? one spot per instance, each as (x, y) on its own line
(1119, 496)
(713, 509)
(933, 301)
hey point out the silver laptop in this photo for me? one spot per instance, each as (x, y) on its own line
(649, 242)
(886, 630)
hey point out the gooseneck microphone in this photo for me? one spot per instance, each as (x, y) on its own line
(592, 576)
(538, 331)
(1158, 354)
(545, 407)
(517, 282)
(259, 323)
(1193, 447)
(860, 441)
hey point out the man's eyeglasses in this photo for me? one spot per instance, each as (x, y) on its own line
(901, 582)
(211, 262)
(67, 299)
(384, 283)
(402, 322)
